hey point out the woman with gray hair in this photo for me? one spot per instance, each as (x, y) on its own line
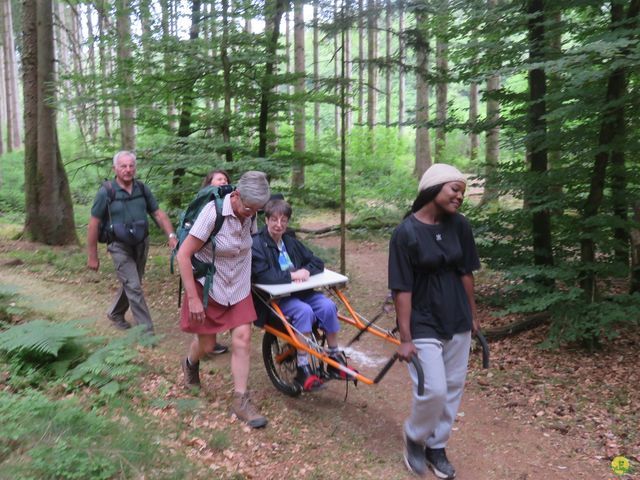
(230, 306)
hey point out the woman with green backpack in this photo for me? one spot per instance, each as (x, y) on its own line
(229, 302)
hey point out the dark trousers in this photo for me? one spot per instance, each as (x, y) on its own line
(129, 262)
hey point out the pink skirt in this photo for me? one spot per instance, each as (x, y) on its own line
(218, 318)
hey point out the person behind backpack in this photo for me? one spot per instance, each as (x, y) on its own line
(216, 178)
(278, 257)
(432, 257)
(123, 205)
(229, 305)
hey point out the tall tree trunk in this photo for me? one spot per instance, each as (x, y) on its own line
(336, 73)
(172, 123)
(74, 29)
(387, 79)
(344, 54)
(610, 137)
(442, 85)
(104, 68)
(634, 283)
(226, 76)
(555, 87)
(299, 142)
(277, 7)
(401, 75)
(126, 104)
(361, 62)
(93, 112)
(49, 210)
(348, 71)
(372, 68)
(209, 37)
(316, 74)
(147, 35)
(11, 80)
(287, 49)
(423, 140)
(492, 140)
(184, 127)
(474, 140)
(3, 89)
(537, 133)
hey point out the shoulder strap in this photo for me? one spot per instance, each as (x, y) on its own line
(143, 187)
(212, 238)
(111, 195)
(412, 242)
(219, 217)
(110, 189)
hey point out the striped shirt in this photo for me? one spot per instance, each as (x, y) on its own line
(232, 280)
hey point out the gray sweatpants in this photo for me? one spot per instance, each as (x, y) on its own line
(445, 367)
(129, 262)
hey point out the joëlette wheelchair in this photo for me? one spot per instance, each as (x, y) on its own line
(281, 340)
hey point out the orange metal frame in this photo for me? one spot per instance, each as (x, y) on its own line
(289, 335)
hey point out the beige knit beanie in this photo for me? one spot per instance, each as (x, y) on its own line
(439, 173)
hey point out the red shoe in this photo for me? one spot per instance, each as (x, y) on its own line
(307, 379)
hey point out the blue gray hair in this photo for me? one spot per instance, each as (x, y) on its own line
(253, 188)
(121, 153)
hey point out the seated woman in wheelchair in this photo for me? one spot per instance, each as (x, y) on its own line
(278, 257)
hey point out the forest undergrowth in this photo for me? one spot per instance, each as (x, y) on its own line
(586, 401)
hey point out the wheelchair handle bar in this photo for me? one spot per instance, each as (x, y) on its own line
(416, 364)
(485, 349)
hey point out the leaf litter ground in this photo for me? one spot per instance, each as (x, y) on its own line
(535, 414)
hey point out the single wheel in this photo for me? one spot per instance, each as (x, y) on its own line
(280, 361)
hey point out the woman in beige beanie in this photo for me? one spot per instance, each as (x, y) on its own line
(432, 256)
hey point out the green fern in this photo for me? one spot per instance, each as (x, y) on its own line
(109, 366)
(38, 337)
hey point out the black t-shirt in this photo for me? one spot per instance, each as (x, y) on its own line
(428, 261)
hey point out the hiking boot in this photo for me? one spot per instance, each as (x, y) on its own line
(307, 379)
(414, 457)
(119, 323)
(437, 460)
(219, 349)
(245, 410)
(191, 373)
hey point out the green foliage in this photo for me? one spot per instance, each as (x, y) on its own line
(113, 366)
(64, 263)
(588, 324)
(12, 187)
(46, 439)
(38, 338)
(41, 350)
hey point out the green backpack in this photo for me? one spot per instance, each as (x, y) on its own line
(187, 219)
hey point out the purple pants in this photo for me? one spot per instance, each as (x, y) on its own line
(304, 308)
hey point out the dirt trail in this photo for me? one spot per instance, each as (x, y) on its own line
(320, 435)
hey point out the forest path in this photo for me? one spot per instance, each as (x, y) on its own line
(317, 435)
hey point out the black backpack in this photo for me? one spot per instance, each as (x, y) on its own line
(106, 229)
(187, 219)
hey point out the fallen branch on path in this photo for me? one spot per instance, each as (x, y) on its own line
(526, 324)
(371, 224)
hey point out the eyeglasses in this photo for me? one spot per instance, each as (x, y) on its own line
(247, 209)
(278, 220)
